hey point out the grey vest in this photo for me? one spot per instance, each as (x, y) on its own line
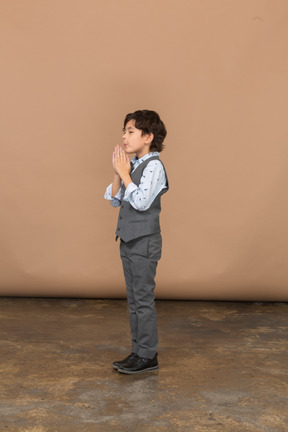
(134, 223)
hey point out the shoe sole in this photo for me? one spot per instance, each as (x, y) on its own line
(151, 369)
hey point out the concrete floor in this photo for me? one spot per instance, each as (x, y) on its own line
(223, 367)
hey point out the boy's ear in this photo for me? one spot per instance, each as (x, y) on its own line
(149, 138)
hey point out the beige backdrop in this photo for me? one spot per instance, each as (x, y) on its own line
(216, 71)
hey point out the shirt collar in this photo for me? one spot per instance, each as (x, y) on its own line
(136, 161)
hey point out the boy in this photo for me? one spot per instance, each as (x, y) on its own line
(137, 187)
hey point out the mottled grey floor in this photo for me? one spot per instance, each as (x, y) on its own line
(223, 367)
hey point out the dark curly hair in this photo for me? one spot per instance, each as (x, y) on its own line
(149, 122)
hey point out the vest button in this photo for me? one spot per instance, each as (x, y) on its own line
(121, 217)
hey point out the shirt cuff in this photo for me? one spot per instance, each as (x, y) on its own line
(116, 200)
(108, 193)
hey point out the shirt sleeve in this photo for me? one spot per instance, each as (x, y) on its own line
(117, 199)
(153, 180)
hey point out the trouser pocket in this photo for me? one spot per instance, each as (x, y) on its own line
(155, 247)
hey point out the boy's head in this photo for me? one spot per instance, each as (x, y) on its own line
(149, 122)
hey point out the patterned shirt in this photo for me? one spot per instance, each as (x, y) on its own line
(141, 197)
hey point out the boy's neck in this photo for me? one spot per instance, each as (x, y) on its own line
(140, 155)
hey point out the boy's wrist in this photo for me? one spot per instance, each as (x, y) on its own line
(126, 180)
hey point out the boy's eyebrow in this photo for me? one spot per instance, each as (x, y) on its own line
(130, 127)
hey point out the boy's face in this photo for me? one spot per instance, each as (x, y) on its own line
(134, 141)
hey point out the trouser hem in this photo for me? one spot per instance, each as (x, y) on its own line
(146, 354)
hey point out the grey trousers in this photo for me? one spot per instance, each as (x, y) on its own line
(140, 258)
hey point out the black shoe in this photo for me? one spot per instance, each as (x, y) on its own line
(139, 365)
(125, 361)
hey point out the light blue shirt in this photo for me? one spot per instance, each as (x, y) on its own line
(141, 197)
